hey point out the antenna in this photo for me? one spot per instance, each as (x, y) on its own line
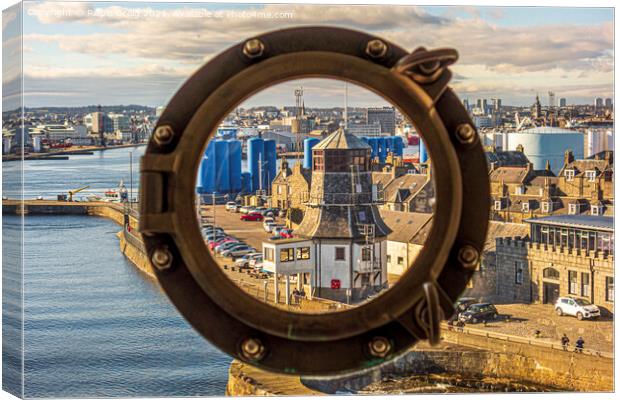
(299, 94)
(346, 105)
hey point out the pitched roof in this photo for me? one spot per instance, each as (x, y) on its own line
(404, 225)
(341, 140)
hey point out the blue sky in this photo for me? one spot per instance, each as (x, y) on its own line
(120, 53)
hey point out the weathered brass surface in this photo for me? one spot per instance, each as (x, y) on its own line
(312, 344)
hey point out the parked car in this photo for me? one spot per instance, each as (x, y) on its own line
(253, 216)
(270, 212)
(260, 210)
(225, 246)
(246, 209)
(244, 262)
(479, 312)
(463, 303)
(269, 225)
(579, 308)
(238, 251)
(227, 239)
(215, 237)
(231, 206)
(286, 233)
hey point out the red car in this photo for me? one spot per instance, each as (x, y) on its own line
(253, 216)
(286, 233)
(225, 240)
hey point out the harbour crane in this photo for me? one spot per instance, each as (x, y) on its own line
(70, 193)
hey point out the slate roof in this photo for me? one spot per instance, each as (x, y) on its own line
(341, 140)
(404, 225)
(511, 158)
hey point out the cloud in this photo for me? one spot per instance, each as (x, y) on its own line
(493, 58)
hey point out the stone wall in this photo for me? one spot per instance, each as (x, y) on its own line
(136, 255)
(538, 364)
(536, 257)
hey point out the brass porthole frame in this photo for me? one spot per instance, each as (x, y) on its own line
(315, 344)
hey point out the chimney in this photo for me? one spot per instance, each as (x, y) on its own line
(548, 166)
(520, 148)
(568, 157)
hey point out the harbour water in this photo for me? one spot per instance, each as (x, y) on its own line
(94, 325)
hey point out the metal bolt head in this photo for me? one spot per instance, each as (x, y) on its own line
(253, 48)
(162, 258)
(429, 68)
(252, 349)
(466, 133)
(376, 48)
(468, 256)
(163, 135)
(379, 346)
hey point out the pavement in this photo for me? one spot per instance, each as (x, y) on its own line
(524, 319)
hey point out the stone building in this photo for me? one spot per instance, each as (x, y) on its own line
(340, 246)
(583, 187)
(290, 190)
(563, 255)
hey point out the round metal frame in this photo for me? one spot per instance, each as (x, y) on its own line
(316, 344)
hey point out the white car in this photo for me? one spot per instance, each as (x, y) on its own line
(246, 209)
(238, 251)
(268, 226)
(244, 262)
(231, 206)
(579, 308)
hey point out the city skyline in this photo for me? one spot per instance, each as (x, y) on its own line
(119, 53)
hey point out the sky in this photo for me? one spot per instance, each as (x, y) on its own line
(140, 53)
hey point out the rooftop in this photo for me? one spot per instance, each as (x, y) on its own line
(341, 140)
(599, 222)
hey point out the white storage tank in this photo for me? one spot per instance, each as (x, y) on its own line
(547, 143)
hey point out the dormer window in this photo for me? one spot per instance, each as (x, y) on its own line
(525, 207)
(569, 174)
(596, 210)
(546, 206)
(498, 205)
(591, 175)
(520, 189)
(573, 209)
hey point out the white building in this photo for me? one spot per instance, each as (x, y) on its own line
(340, 249)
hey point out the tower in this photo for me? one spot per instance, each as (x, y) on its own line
(343, 221)
(299, 109)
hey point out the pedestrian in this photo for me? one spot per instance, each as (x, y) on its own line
(296, 295)
(302, 294)
(579, 345)
(565, 341)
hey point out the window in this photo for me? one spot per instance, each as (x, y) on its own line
(518, 272)
(389, 258)
(366, 254)
(572, 282)
(400, 261)
(279, 189)
(591, 175)
(340, 254)
(585, 284)
(609, 288)
(569, 174)
(303, 253)
(525, 207)
(596, 210)
(269, 254)
(551, 273)
(287, 254)
(498, 205)
(545, 206)
(519, 190)
(573, 209)
(362, 216)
